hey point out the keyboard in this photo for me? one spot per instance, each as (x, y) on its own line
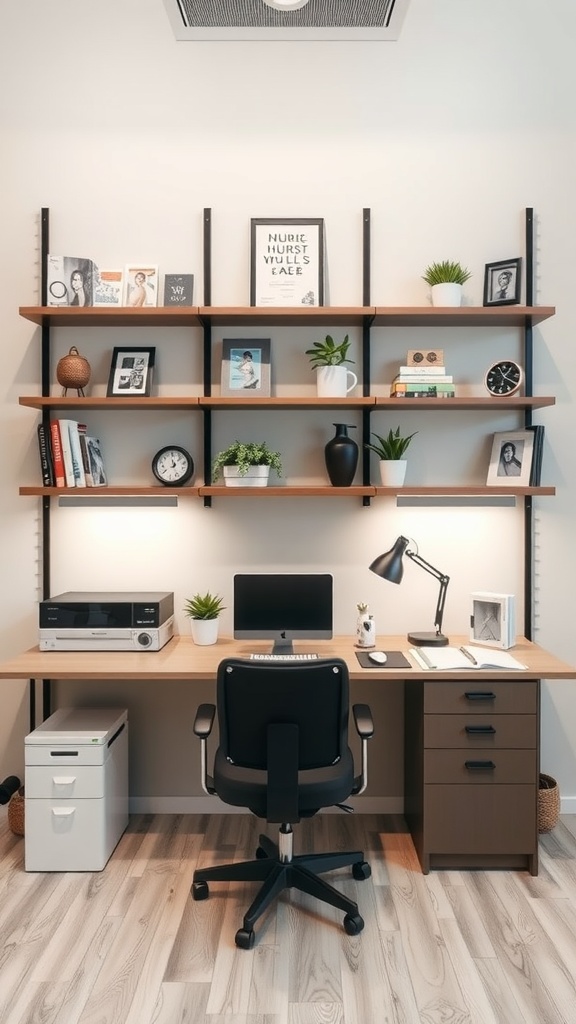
(284, 657)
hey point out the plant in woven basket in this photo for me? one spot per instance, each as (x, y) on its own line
(73, 371)
(16, 812)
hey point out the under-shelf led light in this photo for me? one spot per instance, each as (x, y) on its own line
(286, 5)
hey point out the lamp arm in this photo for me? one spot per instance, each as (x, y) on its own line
(444, 581)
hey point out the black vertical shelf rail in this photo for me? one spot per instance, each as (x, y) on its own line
(529, 386)
(366, 322)
(45, 378)
(207, 353)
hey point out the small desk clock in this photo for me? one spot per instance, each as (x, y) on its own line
(173, 466)
(503, 378)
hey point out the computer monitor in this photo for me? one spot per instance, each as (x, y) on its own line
(282, 607)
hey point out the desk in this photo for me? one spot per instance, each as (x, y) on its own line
(471, 737)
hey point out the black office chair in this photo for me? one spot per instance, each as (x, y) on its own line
(284, 754)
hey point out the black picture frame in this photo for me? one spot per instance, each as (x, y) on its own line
(505, 292)
(287, 261)
(131, 372)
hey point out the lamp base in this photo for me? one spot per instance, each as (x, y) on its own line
(428, 639)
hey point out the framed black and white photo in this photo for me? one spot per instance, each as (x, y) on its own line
(492, 620)
(131, 373)
(511, 459)
(286, 261)
(141, 285)
(502, 282)
(246, 367)
(178, 289)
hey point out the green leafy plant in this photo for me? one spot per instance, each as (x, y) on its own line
(446, 272)
(391, 447)
(244, 454)
(329, 353)
(204, 606)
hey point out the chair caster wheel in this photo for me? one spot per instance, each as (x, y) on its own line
(200, 891)
(353, 924)
(361, 870)
(245, 938)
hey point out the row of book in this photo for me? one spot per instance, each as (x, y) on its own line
(430, 381)
(69, 457)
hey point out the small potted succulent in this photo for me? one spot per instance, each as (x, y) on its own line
(333, 379)
(204, 611)
(446, 279)
(390, 450)
(246, 464)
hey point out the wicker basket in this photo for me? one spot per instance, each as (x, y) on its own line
(548, 803)
(16, 812)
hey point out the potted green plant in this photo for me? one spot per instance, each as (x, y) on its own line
(446, 278)
(333, 379)
(246, 464)
(204, 611)
(391, 450)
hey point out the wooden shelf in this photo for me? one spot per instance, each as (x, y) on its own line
(461, 316)
(471, 403)
(101, 316)
(299, 491)
(303, 402)
(103, 492)
(101, 402)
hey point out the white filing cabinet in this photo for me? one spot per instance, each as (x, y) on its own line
(76, 789)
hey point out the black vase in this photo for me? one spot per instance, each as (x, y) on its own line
(341, 455)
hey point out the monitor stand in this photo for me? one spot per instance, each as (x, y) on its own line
(282, 646)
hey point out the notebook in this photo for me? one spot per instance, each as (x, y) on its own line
(468, 657)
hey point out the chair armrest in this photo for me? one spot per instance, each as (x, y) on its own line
(363, 721)
(204, 720)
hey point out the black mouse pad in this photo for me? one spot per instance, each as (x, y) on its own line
(395, 659)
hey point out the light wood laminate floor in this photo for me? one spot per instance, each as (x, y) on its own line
(129, 946)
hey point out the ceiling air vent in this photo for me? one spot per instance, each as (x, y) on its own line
(197, 20)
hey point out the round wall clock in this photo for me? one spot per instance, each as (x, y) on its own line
(504, 378)
(173, 466)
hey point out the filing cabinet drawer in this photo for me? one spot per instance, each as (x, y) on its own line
(498, 767)
(476, 698)
(480, 820)
(60, 782)
(492, 731)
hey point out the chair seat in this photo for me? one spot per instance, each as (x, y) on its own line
(317, 787)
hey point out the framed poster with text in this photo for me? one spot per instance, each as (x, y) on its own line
(287, 261)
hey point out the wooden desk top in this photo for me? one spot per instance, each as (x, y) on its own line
(182, 659)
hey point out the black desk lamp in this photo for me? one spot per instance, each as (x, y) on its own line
(389, 566)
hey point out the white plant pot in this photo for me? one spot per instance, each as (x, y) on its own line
(204, 631)
(257, 476)
(393, 472)
(334, 381)
(447, 294)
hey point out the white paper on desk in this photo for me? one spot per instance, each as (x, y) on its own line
(447, 658)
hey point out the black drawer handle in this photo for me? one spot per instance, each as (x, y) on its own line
(474, 766)
(479, 695)
(480, 730)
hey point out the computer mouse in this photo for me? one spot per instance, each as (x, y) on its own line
(378, 656)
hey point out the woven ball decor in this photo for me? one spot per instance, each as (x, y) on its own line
(73, 371)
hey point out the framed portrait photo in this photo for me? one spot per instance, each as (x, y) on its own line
(286, 261)
(141, 285)
(502, 283)
(246, 367)
(492, 620)
(511, 459)
(131, 373)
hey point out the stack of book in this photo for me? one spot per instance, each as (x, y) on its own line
(69, 457)
(422, 382)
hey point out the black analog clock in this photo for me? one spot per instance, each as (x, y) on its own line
(173, 466)
(503, 378)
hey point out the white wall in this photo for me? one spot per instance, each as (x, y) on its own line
(446, 135)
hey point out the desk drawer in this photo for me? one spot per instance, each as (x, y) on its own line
(498, 767)
(480, 819)
(489, 732)
(475, 698)
(60, 782)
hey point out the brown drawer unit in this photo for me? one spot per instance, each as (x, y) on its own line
(471, 772)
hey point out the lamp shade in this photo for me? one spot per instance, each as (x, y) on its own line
(389, 565)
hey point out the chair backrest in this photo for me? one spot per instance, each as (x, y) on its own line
(310, 695)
